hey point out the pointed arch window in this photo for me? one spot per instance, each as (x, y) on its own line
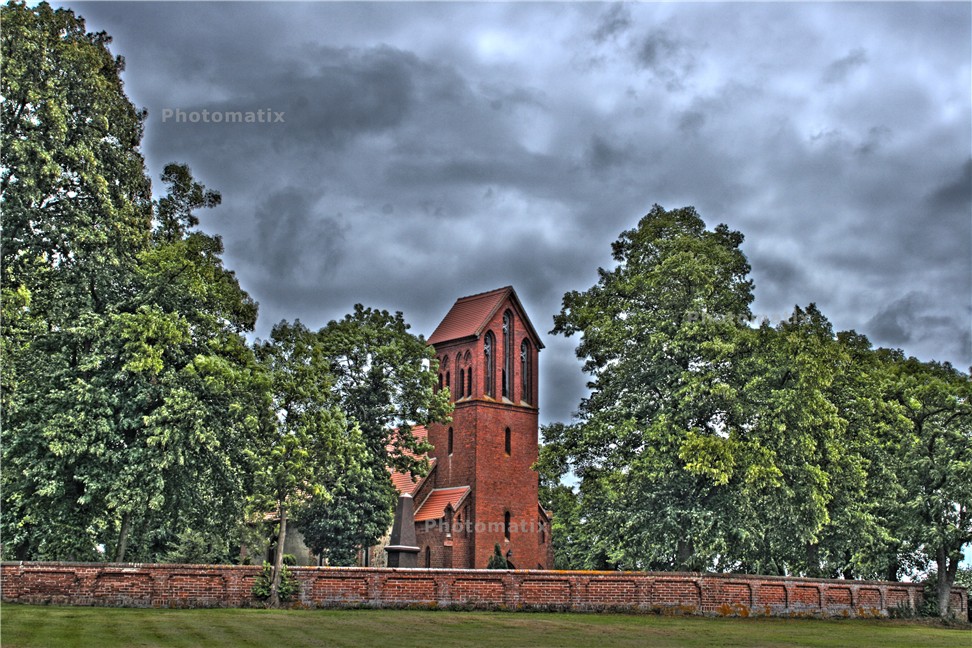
(506, 525)
(489, 344)
(445, 368)
(526, 379)
(508, 442)
(467, 360)
(460, 378)
(450, 441)
(508, 355)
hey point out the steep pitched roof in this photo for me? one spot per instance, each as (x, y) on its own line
(404, 482)
(434, 506)
(469, 316)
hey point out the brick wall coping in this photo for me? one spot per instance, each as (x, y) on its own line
(478, 572)
(188, 585)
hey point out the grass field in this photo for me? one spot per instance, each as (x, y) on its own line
(24, 626)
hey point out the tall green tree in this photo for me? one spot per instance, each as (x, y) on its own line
(936, 463)
(71, 235)
(861, 540)
(659, 333)
(353, 514)
(797, 441)
(136, 428)
(309, 436)
(384, 380)
(208, 394)
(127, 384)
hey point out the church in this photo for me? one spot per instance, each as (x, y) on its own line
(481, 490)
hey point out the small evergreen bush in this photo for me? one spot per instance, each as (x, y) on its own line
(289, 586)
(497, 560)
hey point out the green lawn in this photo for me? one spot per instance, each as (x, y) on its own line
(24, 626)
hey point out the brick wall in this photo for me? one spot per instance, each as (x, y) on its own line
(138, 585)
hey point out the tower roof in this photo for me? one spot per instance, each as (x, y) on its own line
(469, 316)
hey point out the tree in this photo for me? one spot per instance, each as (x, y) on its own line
(811, 473)
(136, 428)
(127, 384)
(76, 213)
(384, 380)
(659, 333)
(208, 391)
(786, 449)
(354, 513)
(861, 540)
(308, 435)
(936, 463)
(497, 560)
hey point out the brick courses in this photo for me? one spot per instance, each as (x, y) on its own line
(143, 585)
(500, 476)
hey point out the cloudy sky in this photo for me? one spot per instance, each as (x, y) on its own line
(430, 151)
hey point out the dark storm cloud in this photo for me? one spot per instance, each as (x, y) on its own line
(438, 150)
(612, 22)
(289, 215)
(895, 323)
(343, 94)
(601, 155)
(842, 67)
(955, 194)
(777, 277)
(914, 320)
(691, 122)
(667, 56)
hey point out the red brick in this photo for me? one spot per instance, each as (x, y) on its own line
(230, 586)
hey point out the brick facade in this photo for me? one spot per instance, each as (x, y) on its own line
(491, 443)
(141, 585)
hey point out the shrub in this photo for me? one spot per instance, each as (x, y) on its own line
(289, 585)
(497, 560)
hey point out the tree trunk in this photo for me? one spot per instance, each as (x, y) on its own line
(813, 560)
(946, 577)
(278, 559)
(686, 549)
(848, 572)
(894, 566)
(126, 527)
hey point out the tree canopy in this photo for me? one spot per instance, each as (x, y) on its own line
(710, 442)
(137, 421)
(308, 437)
(128, 386)
(384, 380)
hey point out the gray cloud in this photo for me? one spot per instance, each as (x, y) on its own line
(437, 150)
(285, 217)
(666, 56)
(915, 321)
(955, 194)
(612, 22)
(601, 155)
(839, 70)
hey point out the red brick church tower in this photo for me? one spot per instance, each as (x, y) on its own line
(481, 490)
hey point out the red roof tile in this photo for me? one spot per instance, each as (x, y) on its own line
(433, 508)
(469, 316)
(404, 482)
